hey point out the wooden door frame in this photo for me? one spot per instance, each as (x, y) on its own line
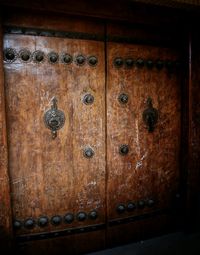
(191, 127)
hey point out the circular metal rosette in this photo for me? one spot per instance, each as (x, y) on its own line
(66, 58)
(80, 60)
(54, 119)
(92, 61)
(53, 57)
(10, 55)
(38, 56)
(25, 55)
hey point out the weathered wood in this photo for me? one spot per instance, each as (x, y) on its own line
(151, 169)
(52, 177)
(5, 206)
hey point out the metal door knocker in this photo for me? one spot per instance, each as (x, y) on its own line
(150, 116)
(54, 119)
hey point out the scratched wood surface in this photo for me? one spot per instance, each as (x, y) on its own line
(52, 177)
(151, 168)
(5, 207)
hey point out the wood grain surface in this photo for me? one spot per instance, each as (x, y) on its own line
(151, 168)
(52, 177)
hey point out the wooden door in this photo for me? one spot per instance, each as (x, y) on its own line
(57, 177)
(143, 135)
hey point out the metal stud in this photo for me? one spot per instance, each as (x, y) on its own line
(25, 55)
(10, 55)
(17, 224)
(56, 220)
(123, 98)
(141, 204)
(118, 62)
(149, 64)
(150, 202)
(131, 207)
(53, 57)
(88, 152)
(92, 61)
(66, 58)
(29, 223)
(123, 149)
(43, 221)
(88, 99)
(69, 218)
(169, 65)
(38, 56)
(80, 60)
(81, 216)
(129, 62)
(93, 215)
(159, 64)
(140, 62)
(121, 208)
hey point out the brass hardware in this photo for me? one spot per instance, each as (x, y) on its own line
(149, 63)
(121, 208)
(29, 223)
(92, 61)
(118, 62)
(159, 64)
(17, 224)
(88, 99)
(53, 57)
(140, 62)
(69, 218)
(66, 58)
(123, 149)
(56, 220)
(54, 119)
(81, 216)
(38, 56)
(80, 60)
(25, 55)
(10, 55)
(93, 215)
(88, 152)
(43, 221)
(141, 204)
(131, 207)
(150, 116)
(123, 98)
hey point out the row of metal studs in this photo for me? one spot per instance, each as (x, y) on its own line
(119, 62)
(56, 220)
(10, 55)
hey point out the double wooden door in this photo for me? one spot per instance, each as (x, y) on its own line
(94, 132)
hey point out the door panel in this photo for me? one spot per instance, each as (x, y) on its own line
(147, 177)
(52, 177)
